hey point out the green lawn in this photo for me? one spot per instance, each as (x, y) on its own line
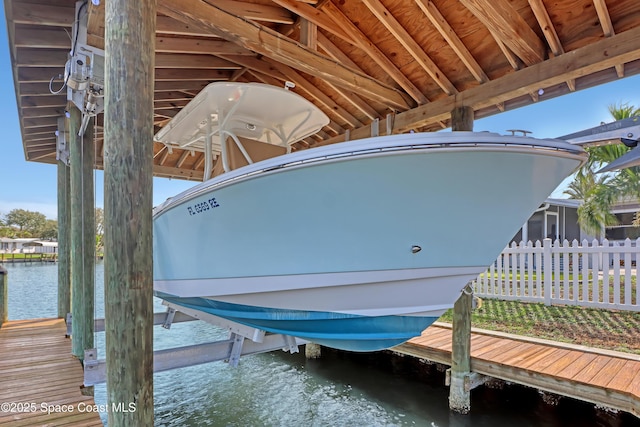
(609, 329)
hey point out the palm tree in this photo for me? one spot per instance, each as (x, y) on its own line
(599, 192)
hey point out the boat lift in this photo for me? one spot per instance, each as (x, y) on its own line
(243, 340)
(625, 131)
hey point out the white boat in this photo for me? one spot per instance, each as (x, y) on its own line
(359, 245)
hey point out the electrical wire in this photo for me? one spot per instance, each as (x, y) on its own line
(72, 53)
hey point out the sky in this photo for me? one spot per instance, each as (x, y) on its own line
(32, 185)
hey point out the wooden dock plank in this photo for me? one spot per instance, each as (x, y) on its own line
(603, 377)
(38, 368)
(562, 363)
(634, 386)
(550, 359)
(609, 371)
(622, 381)
(592, 369)
(534, 359)
(512, 358)
(490, 351)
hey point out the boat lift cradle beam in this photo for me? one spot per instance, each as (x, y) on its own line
(625, 131)
(242, 341)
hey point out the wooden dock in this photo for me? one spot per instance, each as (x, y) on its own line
(605, 378)
(39, 378)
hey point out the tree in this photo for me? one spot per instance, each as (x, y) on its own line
(49, 231)
(26, 221)
(600, 192)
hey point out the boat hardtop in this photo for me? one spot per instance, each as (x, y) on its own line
(250, 111)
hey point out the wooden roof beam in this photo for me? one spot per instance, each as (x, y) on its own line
(414, 49)
(315, 16)
(278, 47)
(207, 75)
(598, 56)
(256, 12)
(178, 85)
(309, 34)
(175, 61)
(354, 99)
(549, 31)
(607, 27)
(361, 40)
(360, 104)
(204, 46)
(168, 171)
(167, 25)
(328, 104)
(441, 24)
(183, 158)
(504, 21)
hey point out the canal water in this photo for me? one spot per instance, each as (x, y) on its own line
(280, 389)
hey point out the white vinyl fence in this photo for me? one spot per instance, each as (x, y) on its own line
(592, 275)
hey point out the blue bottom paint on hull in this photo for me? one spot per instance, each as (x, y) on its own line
(336, 330)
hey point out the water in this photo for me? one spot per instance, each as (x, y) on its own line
(280, 389)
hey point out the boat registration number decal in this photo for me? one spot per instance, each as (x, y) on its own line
(207, 205)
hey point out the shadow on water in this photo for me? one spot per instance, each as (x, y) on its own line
(281, 389)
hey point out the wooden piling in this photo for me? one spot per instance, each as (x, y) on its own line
(128, 161)
(82, 158)
(4, 296)
(459, 375)
(462, 119)
(64, 241)
(459, 393)
(312, 351)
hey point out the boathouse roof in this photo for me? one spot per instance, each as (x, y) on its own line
(359, 61)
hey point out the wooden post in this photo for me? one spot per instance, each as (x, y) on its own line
(459, 392)
(547, 270)
(128, 135)
(312, 350)
(82, 158)
(4, 296)
(462, 119)
(64, 241)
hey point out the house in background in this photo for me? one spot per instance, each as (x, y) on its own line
(558, 219)
(8, 245)
(625, 212)
(27, 245)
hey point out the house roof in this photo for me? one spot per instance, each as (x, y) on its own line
(567, 203)
(358, 61)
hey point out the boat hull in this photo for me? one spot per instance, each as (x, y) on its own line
(392, 229)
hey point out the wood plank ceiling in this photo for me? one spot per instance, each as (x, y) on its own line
(359, 61)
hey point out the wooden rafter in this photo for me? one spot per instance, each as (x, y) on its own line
(505, 22)
(592, 58)
(187, 61)
(212, 47)
(272, 44)
(441, 24)
(414, 49)
(351, 97)
(549, 31)
(607, 27)
(205, 46)
(308, 34)
(361, 40)
(256, 12)
(315, 16)
(315, 93)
